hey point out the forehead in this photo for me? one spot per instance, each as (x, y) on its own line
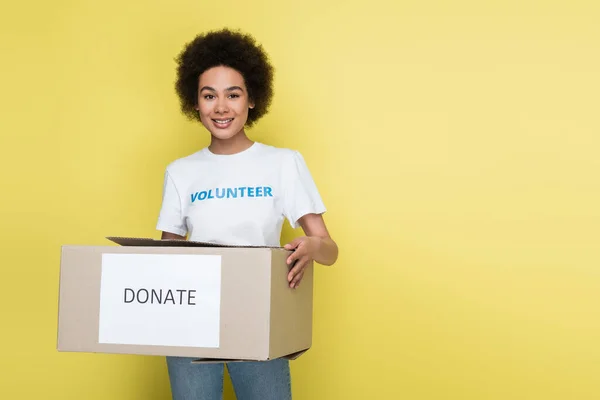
(221, 77)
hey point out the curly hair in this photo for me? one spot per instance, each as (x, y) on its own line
(231, 49)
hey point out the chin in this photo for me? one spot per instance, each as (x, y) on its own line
(224, 135)
(220, 135)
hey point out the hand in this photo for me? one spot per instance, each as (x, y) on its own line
(304, 249)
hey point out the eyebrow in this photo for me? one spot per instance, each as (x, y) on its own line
(229, 89)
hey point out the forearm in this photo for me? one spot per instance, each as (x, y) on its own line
(326, 250)
(172, 236)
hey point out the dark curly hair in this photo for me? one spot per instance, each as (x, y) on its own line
(225, 48)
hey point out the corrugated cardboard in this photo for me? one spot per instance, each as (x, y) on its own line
(260, 317)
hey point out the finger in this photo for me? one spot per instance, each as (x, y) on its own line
(293, 244)
(296, 282)
(296, 255)
(293, 257)
(297, 268)
(300, 273)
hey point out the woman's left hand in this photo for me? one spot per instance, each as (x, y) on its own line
(305, 248)
(316, 246)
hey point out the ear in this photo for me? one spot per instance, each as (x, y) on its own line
(251, 104)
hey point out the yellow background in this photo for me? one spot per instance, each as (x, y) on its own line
(455, 143)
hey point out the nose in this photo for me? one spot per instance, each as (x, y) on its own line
(221, 106)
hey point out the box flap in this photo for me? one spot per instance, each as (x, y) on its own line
(295, 355)
(290, 357)
(133, 241)
(217, 360)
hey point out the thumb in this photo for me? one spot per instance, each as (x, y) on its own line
(293, 244)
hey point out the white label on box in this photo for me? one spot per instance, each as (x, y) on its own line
(160, 299)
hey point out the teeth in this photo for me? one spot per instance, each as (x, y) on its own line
(223, 121)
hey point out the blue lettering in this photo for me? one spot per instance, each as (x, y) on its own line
(232, 193)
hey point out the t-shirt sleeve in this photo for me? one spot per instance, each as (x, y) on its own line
(301, 196)
(170, 218)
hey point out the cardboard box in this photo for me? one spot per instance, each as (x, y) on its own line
(182, 298)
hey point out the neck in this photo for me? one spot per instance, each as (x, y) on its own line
(233, 145)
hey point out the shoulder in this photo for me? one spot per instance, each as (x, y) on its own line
(283, 154)
(184, 164)
(290, 163)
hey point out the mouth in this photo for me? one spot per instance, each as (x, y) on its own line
(222, 123)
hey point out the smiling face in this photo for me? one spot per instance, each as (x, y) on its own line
(223, 102)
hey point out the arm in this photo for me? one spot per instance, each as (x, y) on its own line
(317, 246)
(169, 235)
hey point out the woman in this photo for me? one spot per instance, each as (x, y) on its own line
(237, 191)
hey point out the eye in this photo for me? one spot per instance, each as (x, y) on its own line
(234, 95)
(209, 97)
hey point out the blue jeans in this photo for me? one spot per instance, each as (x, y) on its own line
(260, 380)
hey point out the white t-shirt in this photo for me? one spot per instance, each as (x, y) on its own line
(238, 199)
